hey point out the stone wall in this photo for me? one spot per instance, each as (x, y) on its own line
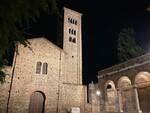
(26, 81)
(4, 90)
(70, 96)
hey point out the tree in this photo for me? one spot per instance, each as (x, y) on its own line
(127, 46)
(15, 16)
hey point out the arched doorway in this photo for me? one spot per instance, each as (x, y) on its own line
(110, 97)
(37, 102)
(124, 86)
(142, 81)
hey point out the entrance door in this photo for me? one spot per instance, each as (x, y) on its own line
(37, 101)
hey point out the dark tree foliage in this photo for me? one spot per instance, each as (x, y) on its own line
(127, 46)
(15, 16)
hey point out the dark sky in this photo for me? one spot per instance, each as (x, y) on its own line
(102, 21)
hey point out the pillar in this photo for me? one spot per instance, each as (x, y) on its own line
(98, 104)
(119, 101)
(102, 96)
(137, 100)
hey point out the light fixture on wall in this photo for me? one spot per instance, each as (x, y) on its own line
(98, 93)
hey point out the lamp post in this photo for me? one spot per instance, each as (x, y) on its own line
(98, 93)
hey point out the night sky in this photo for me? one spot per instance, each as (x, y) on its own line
(101, 23)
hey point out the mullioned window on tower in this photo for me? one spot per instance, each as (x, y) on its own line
(72, 32)
(71, 39)
(72, 21)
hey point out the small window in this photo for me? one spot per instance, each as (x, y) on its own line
(74, 32)
(45, 66)
(69, 20)
(69, 31)
(109, 86)
(76, 22)
(70, 39)
(73, 21)
(38, 67)
(74, 40)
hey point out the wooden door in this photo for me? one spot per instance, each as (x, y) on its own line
(37, 102)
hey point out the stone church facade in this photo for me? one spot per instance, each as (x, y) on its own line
(45, 78)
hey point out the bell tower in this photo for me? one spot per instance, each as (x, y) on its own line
(72, 45)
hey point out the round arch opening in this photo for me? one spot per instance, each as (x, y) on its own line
(142, 81)
(110, 96)
(125, 93)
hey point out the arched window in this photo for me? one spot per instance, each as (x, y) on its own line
(45, 66)
(37, 102)
(70, 39)
(73, 21)
(69, 20)
(74, 40)
(110, 96)
(69, 31)
(74, 32)
(38, 67)
(109, 86)
(76, 22)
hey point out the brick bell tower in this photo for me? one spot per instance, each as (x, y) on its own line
(72, 45)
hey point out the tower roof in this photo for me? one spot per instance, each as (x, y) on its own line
(67, 9)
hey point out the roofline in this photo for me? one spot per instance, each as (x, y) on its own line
(73, 11)
(134, 62)
(48, 41)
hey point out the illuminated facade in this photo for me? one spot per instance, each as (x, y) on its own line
(45, 78)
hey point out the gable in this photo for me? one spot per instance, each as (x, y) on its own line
(42, 41)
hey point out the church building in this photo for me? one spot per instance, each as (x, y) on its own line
(45, 78)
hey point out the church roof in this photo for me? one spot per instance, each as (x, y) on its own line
(45, 39)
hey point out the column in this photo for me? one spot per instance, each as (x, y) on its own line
(137, 99)
(98, 104)
(119, 101)
(91, 89)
